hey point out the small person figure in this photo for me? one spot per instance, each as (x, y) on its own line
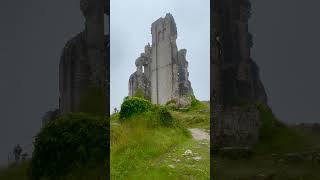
(17, 152)
(115, 110)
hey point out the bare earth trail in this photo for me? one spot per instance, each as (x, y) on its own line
(199, 134)
(188, 160)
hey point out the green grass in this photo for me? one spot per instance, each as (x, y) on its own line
(198, 116)
(142, 149)
(275, 138)
(226, 169)
(20, 171)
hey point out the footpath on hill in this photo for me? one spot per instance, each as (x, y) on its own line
(162, 152)
(188, 160)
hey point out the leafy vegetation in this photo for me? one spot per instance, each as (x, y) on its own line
(145, 145)
(70, 142)
(132, 106)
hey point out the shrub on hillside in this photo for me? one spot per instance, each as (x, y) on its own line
(270, 125)
(165, 117)
(194, 101)
(133, 106)
(71, 141)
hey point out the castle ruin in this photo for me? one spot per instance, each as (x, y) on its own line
(236, 80)
(162, 70)
(83, 66)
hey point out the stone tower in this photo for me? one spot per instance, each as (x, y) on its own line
(82, 69)
(162, 70)
(236, 79)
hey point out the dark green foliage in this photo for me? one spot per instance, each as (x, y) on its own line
(133, 106)
(139, 93)
(194, 101)
(71, 141)
(165, 117)
(270, 125)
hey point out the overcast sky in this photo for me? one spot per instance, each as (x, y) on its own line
(131, 31)
(286, 47)
(33, 33)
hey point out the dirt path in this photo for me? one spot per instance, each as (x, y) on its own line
(199, 134)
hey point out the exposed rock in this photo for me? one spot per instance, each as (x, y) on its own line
(199, 134)
(188, 152)
(183, 101)
(162, 70)
(197, 158)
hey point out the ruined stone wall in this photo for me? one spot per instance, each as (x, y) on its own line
(236, 80)
(165, 75)
(164, 58)
(237, 126)
(82, 69)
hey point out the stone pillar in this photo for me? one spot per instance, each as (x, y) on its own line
(164, 34)
(92, 95)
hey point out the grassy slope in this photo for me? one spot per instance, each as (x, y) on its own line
(20, 171)
(279, 139)
(292, 141)
(140, 150)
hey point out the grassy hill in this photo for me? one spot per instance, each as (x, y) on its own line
(20, 172)
(283, 152)
(141, 149)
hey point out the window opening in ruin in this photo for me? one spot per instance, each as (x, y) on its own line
(106, 24)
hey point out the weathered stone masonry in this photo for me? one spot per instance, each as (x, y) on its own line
(162, 70)
(236, 80)
(82, 69)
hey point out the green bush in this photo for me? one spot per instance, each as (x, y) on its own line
(165, 117)
(71, 141)
(194, 101)
(133, 106)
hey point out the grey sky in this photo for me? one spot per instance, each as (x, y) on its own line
(131, 31)
(286, 47)
(33, 33)
(32, 36)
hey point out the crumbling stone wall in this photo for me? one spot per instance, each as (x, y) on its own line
(236, 80)
(162, 70)
(82, 69)
(237, 126)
